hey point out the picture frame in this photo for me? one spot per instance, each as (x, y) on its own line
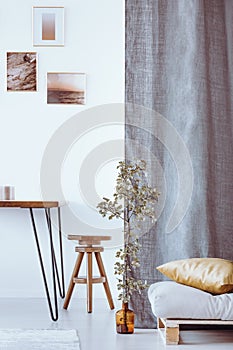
(21, 71)
(66, 88)
(48, 26)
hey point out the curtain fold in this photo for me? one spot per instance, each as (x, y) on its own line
(179, 104)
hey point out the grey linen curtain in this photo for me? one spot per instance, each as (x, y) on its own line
(179, 104)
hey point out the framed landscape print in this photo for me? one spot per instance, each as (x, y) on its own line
(21, 71)
(48, 26)
(66, 88)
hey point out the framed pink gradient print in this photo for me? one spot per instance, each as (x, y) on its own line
(48, 26)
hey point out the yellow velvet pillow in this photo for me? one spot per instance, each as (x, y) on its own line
(212, 275)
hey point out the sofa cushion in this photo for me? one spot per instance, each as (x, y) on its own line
(173, 300)
(213, 275)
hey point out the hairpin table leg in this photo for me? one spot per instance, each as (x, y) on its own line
(53, 313)
(61, 283)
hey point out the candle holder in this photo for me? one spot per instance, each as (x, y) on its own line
(7, 193)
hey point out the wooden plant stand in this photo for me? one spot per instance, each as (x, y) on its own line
(169, 327)
(89, 245)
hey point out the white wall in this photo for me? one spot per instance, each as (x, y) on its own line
(94, 44)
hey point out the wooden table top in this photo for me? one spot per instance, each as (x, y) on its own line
(29, 204)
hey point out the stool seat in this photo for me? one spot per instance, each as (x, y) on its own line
(88, 246)
(89, 240)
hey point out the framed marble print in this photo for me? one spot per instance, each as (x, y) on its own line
(21, 71)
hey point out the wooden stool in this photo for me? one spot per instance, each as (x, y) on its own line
(88, 246)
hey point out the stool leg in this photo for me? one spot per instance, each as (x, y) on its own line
(103, 274)
(89, 282)
(71, 285)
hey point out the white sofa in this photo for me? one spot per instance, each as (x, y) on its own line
(174, 304)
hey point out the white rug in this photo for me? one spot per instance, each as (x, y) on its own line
(43, 339)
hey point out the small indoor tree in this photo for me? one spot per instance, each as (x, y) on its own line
(133, 201)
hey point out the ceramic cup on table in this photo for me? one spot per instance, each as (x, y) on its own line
(7, 192)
